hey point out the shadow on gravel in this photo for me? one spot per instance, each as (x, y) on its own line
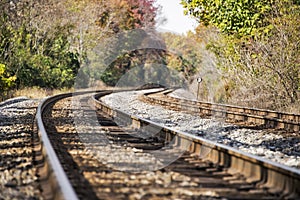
(12, 121)
(17, 155)
(289, 145)
(13, 101)
(62, 143)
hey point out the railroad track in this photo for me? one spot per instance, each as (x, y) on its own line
(95, 152)
(259, 118)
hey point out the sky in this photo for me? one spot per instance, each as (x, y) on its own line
(176, 22)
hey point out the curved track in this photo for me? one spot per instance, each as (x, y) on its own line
(80, 165)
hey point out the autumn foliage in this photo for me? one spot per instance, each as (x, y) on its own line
(44, 42)
(256, 50)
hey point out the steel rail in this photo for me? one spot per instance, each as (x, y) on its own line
(277, 177)
(267, 118)
(60, 186)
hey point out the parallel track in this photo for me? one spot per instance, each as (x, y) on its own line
(203, 171)
(260, 118)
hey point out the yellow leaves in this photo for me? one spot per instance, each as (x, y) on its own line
(6, 81)
(2, 69)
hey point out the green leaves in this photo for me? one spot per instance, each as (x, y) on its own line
(34, 61)
(258, 52)
(233, 17)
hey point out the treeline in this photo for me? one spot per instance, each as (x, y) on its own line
(139, 57)
(256, 50)
(44, 42)
(246, 51)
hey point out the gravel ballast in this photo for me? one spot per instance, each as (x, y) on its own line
(18, 173)
(274, 145)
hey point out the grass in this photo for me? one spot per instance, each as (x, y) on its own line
(39, 93)
(34, 92)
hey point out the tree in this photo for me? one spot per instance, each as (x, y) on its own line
(35, 54)
(186, 57)
(125, 20)
(95, 20)
(241, 17)
(44, 42)
(257, 49)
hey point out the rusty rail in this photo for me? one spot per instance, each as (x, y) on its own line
(263, 118)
